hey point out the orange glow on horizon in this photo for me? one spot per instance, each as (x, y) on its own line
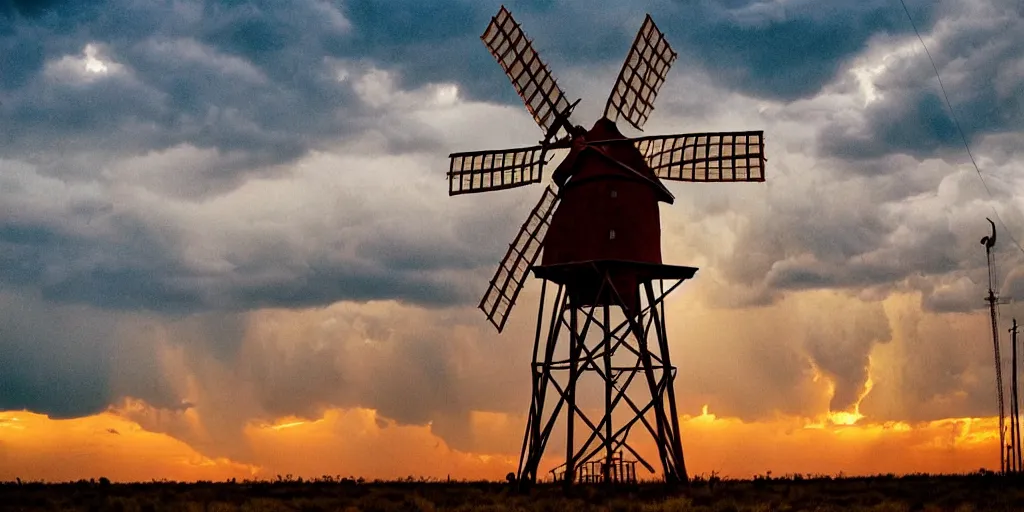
(357, 442)
(35, 447)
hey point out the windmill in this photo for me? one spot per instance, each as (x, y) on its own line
(600, 232)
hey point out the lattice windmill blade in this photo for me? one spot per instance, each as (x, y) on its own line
(642, 74)
(480, 171)
(531, 78)
(723, 156)
(522, 253)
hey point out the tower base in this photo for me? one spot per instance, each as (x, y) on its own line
(606, 330)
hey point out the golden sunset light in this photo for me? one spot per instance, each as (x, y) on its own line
(36, 448)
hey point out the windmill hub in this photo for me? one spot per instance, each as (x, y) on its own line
(601, 239)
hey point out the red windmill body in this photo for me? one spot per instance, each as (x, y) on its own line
(608, 208)
(601, 240)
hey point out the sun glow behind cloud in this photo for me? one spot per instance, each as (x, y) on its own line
(876, 61)
(89, 65)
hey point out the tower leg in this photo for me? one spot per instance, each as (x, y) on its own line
(570, 394)
(609, 388)
(537, 431)
(675, 446)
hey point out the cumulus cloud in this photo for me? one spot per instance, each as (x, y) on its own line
(974, 47)
(936, 366)
(228, 373)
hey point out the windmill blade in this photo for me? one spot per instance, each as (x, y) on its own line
(480, 171)
(724, 156)
(522, 253)
(533, 81)
(642, 74)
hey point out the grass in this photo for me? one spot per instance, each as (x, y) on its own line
(928, 493)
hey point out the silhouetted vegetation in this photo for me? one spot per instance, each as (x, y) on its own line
(981, 491)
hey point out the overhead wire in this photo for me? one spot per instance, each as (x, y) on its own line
(956, 123)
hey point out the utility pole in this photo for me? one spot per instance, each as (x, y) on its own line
(992, 299)
(1015, 404)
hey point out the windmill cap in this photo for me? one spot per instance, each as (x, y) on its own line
(605, 140)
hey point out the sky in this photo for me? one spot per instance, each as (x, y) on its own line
(227, 248)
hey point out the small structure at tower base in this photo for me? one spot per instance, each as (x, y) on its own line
(618, 471)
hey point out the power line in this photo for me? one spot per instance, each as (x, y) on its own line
(960, 130)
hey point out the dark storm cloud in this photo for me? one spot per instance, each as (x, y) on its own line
(54, 360)
(257, 84)
(403, 251)
(977, 52)
(196, 99)
(774, 50)
(252, 76)
(875, 234)
(354, 281)
(81, 243)
(916, 123)
(784, 50)
(235, 77)
(130, 276)
(426, 42)
(138, 267)
(769, 50)
(70, 361)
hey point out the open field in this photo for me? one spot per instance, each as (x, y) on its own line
(978, 492)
